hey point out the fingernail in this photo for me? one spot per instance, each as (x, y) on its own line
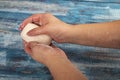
(20, 24)
(19, 28)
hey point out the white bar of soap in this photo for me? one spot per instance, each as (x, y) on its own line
(43, 39)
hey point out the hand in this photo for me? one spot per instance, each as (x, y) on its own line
(43, 53)
(49, 25)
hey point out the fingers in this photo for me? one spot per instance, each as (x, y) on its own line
(29, 46)
(59, 51)
(32, 19)
(41, 52)
(39, 19)
(33, 44)
(26, 47)
(37, 31)
(38, 46)
(42, 48)
(25, 22)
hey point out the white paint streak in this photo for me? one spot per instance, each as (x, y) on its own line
(32, 7)
(3, 58)
(113, 14)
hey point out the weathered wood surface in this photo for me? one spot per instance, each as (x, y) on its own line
(96, 63)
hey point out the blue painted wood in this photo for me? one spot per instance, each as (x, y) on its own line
(96, 63)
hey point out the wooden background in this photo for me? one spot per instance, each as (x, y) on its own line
(96, 63)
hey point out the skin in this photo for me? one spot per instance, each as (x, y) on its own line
(106, 34)
(53, 58)
(97, 34)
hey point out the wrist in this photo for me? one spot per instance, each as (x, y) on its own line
(70, 33)
(62, 68)
(55, 60)
(66, 33)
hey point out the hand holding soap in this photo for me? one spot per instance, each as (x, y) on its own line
(43, 39)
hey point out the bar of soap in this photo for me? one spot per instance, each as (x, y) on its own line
(43, 39)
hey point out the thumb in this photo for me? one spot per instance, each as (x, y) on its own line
(39, 48)
(37, 31)
(33, 44)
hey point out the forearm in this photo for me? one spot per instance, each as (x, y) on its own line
(98, 34)
(62, 69)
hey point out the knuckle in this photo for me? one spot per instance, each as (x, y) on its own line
(34, 15)
(50, 50)
(47, 14)
(37, 46)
